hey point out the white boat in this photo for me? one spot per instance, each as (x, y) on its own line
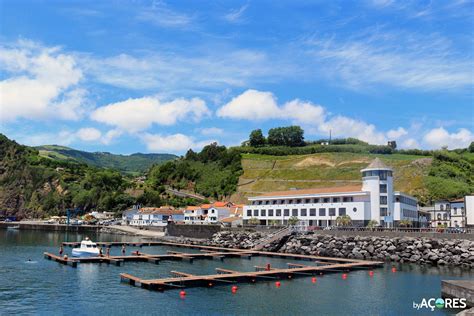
(14, 227)
(87, 249)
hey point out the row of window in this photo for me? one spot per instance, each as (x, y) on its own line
(405, 200)
(382, 174)
(409, 213)
(302, 212)
(305, 201)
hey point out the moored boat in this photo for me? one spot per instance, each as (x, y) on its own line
(88, 248)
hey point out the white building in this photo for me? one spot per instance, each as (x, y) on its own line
(458, 213)
(373, 200)
(153, 216)
(208, 213)
(469, 207)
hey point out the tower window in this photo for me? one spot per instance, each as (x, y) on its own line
(383, 188)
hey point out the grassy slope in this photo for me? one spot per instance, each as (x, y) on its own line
(272, 173)
(129, 164)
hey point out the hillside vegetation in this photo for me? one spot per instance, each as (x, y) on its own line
(128, 164)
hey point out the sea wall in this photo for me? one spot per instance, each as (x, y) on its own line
(419, 250)
(52, 227)
(192, 231)
(393, 234)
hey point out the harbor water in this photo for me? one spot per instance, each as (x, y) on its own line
(30, 284)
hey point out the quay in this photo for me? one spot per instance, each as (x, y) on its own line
(316, 265)
(458, 289)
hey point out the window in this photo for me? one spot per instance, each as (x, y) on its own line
(278, 212)
(294, 212)
(441, 207)
(322, 212)
(348, 199)
(286, 212)
(255, 212)
(326, 200)
(332, 212)
(383, 211)
(307, 201)
(253, 203)
(383, 188)
(383, 175)
(304, 212)
(438, 217)
(336, 199)
(445, 216)
(312, 212)
(354, 209)
(259, 202)
(383, 200)
(263, 212)
(298, 201)
(270, 212)
(290, 201)
(267, 202)
(274, 202)
(342, 211)
(282, 201)
(455, 210)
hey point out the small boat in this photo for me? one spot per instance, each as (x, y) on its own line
(14, 227)
(87, 249)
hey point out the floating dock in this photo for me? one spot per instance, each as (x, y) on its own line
(316, 265)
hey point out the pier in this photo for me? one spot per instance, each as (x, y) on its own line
(310, 266)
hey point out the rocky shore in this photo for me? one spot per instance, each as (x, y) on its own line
(418, 250)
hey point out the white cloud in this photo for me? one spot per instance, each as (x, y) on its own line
(261, 105)
(236, 15)
(161, 15)
(439, 137)
(89, 134)
(396, 133)
(110, 136)
(211, 131)
(41, 83)
(397, 59)
(341, 126)
(139, 114)
(410, 143)
(251, 105)
(172, 143)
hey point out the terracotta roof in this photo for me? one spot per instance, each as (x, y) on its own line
(220, 204)
(457, 200)
(230, 219)
(164, 210)
(342, 189)
(205, 205)
(192, 208)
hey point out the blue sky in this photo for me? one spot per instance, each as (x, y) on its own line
(156, 76)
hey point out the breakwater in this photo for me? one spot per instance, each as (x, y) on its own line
(52, 227)
(419, 250)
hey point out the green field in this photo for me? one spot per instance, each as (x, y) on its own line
(273, 173)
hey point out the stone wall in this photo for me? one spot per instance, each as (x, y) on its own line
(399, 249)
(52, 227)
(192, 231)
(393, 234)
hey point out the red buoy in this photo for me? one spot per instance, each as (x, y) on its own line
(182, 293)
(371, 273)
(394, 269)
(277, 283)
(234, 289)
(344, 276)
(313, 279)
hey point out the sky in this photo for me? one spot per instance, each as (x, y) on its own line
(165, 76)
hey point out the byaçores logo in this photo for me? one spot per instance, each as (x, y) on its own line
(432, 303)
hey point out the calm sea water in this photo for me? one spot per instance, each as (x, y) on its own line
(45, 287)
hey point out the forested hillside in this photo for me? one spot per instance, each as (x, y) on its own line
(133, 164)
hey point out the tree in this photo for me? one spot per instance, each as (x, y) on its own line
(274, 222)
(254, 221)
(256, 138)
(293, 220)
(405, 223)
(291, 136)
(372, 223)
(191, 155)
(471, 147)
(344, 220)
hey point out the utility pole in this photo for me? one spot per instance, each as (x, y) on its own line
(330, 135)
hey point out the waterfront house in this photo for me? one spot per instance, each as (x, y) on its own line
(153, 216)
(208, 213)
(373, 200)
(456, 213)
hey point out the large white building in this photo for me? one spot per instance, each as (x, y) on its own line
(375, 200)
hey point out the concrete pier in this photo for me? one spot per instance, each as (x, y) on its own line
(458, 289)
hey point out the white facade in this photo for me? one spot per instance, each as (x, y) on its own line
(206, 214)
(469, 200)
(374, 200)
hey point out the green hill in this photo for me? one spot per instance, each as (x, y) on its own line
(127, 164)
